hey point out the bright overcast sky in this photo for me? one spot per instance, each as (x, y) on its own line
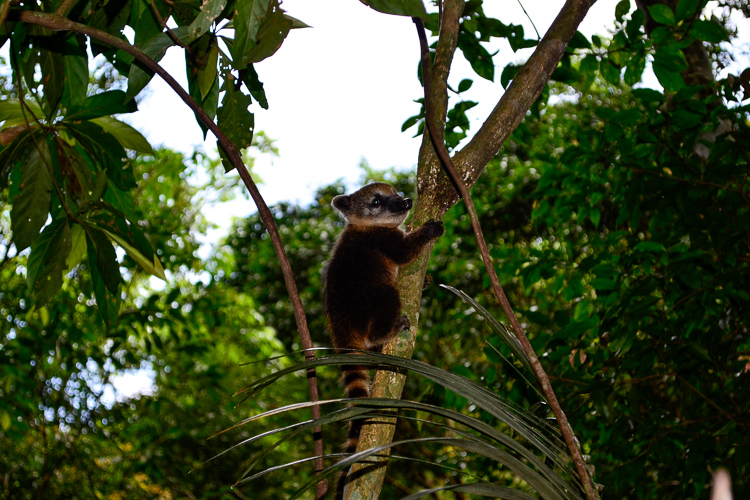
(339, 92)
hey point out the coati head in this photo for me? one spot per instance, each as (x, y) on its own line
(376, 204)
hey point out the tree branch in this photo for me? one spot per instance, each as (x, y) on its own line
(437, 134)
(58, 23)
(523, 91)
(437, 194)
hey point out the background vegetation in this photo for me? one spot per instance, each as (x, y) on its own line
(618, 218)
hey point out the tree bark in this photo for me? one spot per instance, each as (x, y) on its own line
(437, 194)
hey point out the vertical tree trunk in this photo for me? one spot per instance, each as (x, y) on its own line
(437, 194)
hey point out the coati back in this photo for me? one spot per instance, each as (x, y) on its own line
(362, 304)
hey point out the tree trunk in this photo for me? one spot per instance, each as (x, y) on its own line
(437, 194)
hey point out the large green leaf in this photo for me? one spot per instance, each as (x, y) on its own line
(127, 136)
(102, 256)
(248, 18)
(53, 75)
(103, 269)
(31, 205)
(76, 80)
(13, 114)
(686, 8)
(139, 76)
(209, 75)
(47, 261)
(662, 14)
(235, 120)
(210, 11)
(271, 35)
(105, 151)
(129, 238)
(106, 103)
(411, 8)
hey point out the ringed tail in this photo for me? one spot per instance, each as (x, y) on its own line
(357, 384)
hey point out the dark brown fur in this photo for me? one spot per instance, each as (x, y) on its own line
(362, 303)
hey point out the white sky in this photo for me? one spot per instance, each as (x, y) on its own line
(339, 92)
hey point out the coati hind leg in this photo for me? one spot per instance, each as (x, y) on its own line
(386, 321)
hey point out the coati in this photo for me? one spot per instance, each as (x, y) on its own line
(362, 304)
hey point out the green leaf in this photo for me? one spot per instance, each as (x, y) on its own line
(671, 58)
(579, 41)
(105, 151)
(635, 68)
(53, 74)
(662, 14)
(577, 329)
(628, 117)
(76, 82)
(210, 11)
(104, 104)
(209, 75)
(671, 81)
(648, 95)
(255, 86)
(235, 119)
(271, 35)
(248, 18)
(77, 246)
(108, 303)
(603, 284)
(649, 246)
(127, 136)
(621, 10)
(708, 31)
(12, 113)
(104, 259)
(47, 261)
(686, 8)
(138, 77)
(464, 85)
(610, 72)
(411, 8)
(129, 238)
(633, 28)
(31, 205)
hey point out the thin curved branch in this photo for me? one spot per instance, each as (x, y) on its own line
(438, 141)
(58, 23)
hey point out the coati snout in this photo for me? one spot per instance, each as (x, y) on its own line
(376, 204)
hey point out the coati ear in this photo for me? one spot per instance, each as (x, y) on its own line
(342, 202)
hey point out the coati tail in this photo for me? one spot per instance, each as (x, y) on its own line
(357, 384)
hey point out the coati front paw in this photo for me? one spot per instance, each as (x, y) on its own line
(402, 323)
(433, 229)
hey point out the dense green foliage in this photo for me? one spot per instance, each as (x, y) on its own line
(618, 219)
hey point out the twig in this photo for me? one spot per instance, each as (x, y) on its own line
(436, 134)
(58, 23)
(171, 34)
(538, 36)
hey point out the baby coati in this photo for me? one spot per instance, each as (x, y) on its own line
(362, 304)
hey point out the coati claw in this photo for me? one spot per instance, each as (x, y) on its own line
(402, 323)
(434, 229)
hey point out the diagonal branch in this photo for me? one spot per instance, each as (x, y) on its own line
(438, 140)
(58, 23)
(522, 92)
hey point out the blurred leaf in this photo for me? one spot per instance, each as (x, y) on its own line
(662, 14)
(248, 17)
(31, 205)
(47, 261)
(411, 8)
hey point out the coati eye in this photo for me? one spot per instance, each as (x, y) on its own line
(376, 202)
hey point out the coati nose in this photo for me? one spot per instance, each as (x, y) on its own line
(407, 204)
